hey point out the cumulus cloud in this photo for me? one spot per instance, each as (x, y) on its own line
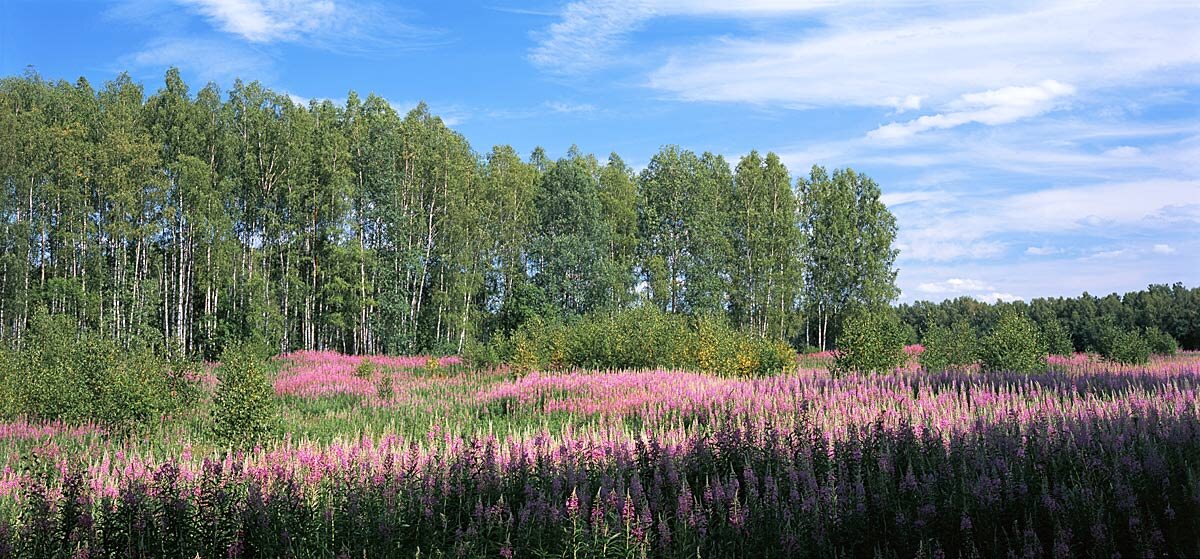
(1163, 249)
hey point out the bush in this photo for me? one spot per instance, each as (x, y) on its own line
(1015, 345)
(73, 375)
(243, 406)
(872, 341)
(640, 338)
(720, 349)
(1058, 340)
(1127, 347)
(1161, 343)
(950, 348)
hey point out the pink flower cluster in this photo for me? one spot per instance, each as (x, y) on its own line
(314, 374)
(22, 429)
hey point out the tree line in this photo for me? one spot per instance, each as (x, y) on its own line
(199, 219)
(1086, 320)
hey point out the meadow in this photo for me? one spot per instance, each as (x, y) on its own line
(427, 457)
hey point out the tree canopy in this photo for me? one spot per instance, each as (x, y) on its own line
(197, 219)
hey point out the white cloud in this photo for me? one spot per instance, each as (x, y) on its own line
(999, 106)
(956, 287)
(1163, 249)
(265, 21)
(586, 34)
(588, 31)
(974, 228)
(346, 25)
(906, 103)
(892, 199)
(1106, 254)
(208, 59)
(927, 51)
(1123, 151)
(1042, 251)
(563, 107)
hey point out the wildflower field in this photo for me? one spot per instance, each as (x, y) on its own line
(422, 457)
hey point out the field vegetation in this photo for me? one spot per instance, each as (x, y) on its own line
(322, 454)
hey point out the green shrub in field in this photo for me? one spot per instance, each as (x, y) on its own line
(641, 338)
(365, 368)
(539, 345)
(774, 356)
(1161, 343)
(721, 349)
(243, 406)
(75, 375)
(1128, 347)
(1058, 340)
(1014, 345)
(950, 348)
(872, 341)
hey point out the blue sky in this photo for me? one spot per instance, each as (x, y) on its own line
(1027, 148)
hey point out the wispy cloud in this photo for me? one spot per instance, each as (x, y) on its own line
(209, 59)
(999, 106)
(265, 21)
(975, 229)
(347, 25)
(588, 32)
(935, 55)
(1042, 251)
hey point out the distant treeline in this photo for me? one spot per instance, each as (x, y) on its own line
(197, 219)
(1173, 309)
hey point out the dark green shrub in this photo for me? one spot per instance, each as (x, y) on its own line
(872, 341)
(1058, 340)
(1015, 345)
(950, 348)
(243, 406)
(1127, 347)
(1161, 343)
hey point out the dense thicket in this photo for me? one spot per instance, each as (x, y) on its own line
(202, 218)
(639, 338)
(1087, 319)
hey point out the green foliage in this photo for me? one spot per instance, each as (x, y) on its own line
(1128, 347)
(1161, 343)
(365, 368)
(243, 407)
(1015, 345)
(950, 348)
(643, 338)
(65, 373)
(872, 341)
(1173, 309)
(847, 247)
(1058, 339)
